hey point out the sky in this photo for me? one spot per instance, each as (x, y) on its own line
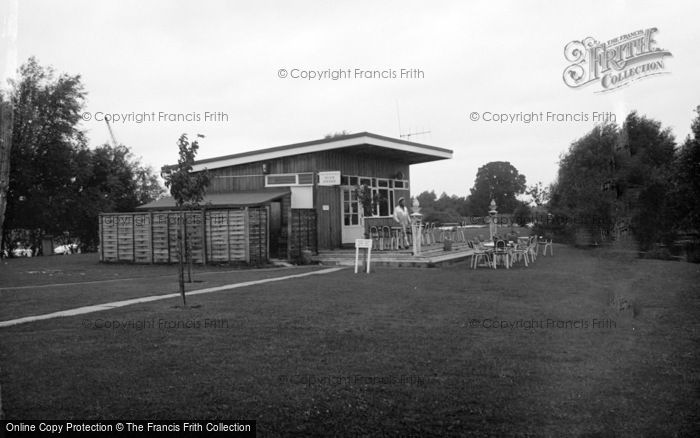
(219, 64)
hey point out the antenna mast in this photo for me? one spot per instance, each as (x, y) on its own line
(408, 135)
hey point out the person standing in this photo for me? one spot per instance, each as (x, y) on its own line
(404, 219)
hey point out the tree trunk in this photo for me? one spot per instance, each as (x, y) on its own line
(188, 254)
(181, 256)
(189, 262)
(5, 148)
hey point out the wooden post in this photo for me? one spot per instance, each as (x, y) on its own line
(228, 235)
(150, 225)
(167, 234)
(181, 255)
(204, 237)
(133, 238)
(101, 239)
(117, 233)
(246, 234)
(290, 219)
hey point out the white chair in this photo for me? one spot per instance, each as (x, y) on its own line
(480, 253)
(428, 236)
(387, 239)
(376, 238)
(532, 248)
(545, 243)
(520, 253)
(502, 254)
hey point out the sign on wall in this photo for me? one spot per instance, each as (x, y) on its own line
(331, 178)
(302, 197)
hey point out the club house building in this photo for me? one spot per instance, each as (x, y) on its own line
(276, 202)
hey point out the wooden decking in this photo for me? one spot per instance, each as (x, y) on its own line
(431, 256)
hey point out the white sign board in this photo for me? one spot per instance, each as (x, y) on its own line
(363, 243)
(302, 197)
(329, 178)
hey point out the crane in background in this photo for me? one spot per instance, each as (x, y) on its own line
(111, 133)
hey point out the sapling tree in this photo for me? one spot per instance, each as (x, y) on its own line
(188, 189)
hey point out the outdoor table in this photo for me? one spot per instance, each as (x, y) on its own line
(493, 245)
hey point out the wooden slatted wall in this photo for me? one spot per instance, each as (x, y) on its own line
(226, 235)
(302, 232)
(258, 233)
(217, 236)
(161, 237)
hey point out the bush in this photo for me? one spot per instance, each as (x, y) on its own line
(659, 253)
(560, 232)
(692, 252)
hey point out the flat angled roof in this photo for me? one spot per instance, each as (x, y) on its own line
(415, 152)
(235, 199)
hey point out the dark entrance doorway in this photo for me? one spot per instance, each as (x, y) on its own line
(276, 230)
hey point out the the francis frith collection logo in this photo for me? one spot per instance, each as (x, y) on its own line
(614, 63)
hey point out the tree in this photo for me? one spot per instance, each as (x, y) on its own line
(538, 193)
(583, 194)
(644, 178)
(57, 185)
(497, 180)
(331, 135)
(427, 200)
(5, 147)
(148, 187)
(109, 180)
(686, 180)
(444, 209)
(612, 175)
(45, 142)
(188, 189)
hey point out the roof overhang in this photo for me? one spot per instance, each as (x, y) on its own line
(408, 152)
(222, 200)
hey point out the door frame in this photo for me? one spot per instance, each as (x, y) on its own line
(348, 233)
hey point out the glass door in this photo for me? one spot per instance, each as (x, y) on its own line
(352, 223)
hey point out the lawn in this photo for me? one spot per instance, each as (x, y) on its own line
(33, 286)
(424, 352)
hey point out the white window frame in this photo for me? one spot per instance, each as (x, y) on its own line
(296, 179)
(391, 190)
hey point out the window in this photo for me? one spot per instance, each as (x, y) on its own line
(383, 197)
(383, 202)
(289, 179)
(306, 179)
(351, 208)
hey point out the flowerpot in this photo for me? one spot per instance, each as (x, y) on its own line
(447, 246)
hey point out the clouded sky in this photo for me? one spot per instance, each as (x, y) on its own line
(188, 58)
